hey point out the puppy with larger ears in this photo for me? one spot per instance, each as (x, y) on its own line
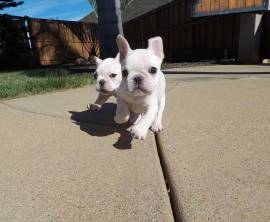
(108, 77)
(142, 89)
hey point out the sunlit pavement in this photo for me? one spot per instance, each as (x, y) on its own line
(60, 162)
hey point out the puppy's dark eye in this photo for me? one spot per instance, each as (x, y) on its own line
(113, 75)
(153, 70)
(124, 73)
(95, 75)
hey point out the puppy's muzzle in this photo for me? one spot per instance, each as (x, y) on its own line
(101, 83)
(137, 80)
(101, 86)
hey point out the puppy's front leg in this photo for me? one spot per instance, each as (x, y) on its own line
(134, 118)
(101, 99)
(140, 130)
(122, 111)
(157, 124)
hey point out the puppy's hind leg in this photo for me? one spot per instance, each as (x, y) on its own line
(157, 124)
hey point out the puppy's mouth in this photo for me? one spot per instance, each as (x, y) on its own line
(138, 88)
(103, 91)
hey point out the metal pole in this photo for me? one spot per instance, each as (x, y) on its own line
(109, 25)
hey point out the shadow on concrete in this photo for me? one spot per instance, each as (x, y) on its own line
(100, 123)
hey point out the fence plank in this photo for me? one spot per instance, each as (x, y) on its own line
(250, 3)
(215, 5)
(224, 4)
(232, 4)
(241, 3)
(259, 2)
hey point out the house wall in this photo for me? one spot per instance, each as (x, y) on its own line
(186, 38)
(250, 37)
(265, 42)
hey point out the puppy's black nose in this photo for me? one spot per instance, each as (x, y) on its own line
(101, 82)
(137, 80)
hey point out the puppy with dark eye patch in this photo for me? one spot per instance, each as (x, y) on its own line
(108, 76)
(142, 89)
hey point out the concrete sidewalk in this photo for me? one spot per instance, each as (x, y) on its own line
(215, 148)
(59, 163)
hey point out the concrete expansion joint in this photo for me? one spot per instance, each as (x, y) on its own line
(176, 209)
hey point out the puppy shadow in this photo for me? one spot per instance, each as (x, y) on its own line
(100, 123)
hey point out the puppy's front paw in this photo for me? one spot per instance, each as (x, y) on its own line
(138, 133)
(156, 127)
(93, 107)
(121, 119)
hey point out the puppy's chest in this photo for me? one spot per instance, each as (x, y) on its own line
(136, 104)
(137, 108)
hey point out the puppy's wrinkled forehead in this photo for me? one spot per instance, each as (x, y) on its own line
(141, 59)
(108, 66)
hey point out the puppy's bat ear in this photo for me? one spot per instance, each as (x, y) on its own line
(123, 47)
(96, 60)
(155, 44)
(117, 57)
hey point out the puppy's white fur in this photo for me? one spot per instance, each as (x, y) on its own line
(141, 91)
(108, 77)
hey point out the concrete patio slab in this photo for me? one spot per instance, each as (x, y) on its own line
(221, 69)
(60, 162)
(215, 147)
(53, 168)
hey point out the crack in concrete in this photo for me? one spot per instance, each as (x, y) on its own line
(176, 209)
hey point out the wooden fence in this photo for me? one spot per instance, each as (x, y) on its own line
(56, 42)
(27, 42)
(186, 38)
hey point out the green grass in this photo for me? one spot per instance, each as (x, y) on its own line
(31, 82)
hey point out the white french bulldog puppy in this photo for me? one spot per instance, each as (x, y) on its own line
(108, 76)
(142, 89)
